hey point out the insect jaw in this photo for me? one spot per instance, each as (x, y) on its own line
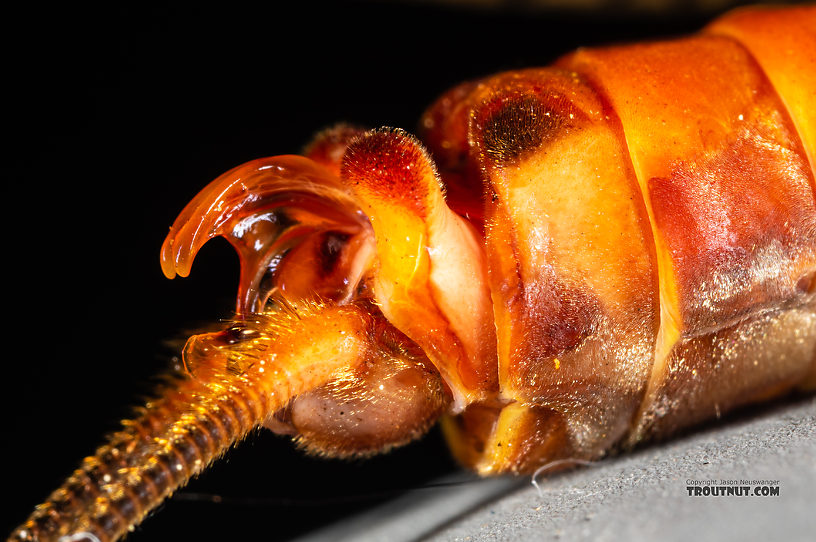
(270, 208)
(381, 231)
(307, 239)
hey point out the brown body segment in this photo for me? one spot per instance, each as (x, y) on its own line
(572, 271)
(716, 252)
(730, 194)
(783, 41)
(722, 171)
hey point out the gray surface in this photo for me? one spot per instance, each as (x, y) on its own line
(639, 496)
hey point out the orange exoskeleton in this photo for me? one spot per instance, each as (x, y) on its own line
(574, 260)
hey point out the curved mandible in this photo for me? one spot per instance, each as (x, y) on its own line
(266, 208)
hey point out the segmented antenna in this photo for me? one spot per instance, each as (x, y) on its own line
(174, 439)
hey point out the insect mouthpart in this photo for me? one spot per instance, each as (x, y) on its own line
(372, 226)
(298, 232)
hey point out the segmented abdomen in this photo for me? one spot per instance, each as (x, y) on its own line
(651, 234)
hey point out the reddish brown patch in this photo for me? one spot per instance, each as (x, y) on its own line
(552, 319)
(564, 317)
(516, 121)
(740, 228)
(390, 165)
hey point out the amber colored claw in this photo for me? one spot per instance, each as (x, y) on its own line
(263, 208)
(230, 197)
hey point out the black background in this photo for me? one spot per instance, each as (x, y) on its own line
(118, 118)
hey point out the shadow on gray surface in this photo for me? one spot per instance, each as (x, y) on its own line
(641, 495)
(421, 512)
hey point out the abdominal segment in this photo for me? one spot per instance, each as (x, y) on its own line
(651, 241)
